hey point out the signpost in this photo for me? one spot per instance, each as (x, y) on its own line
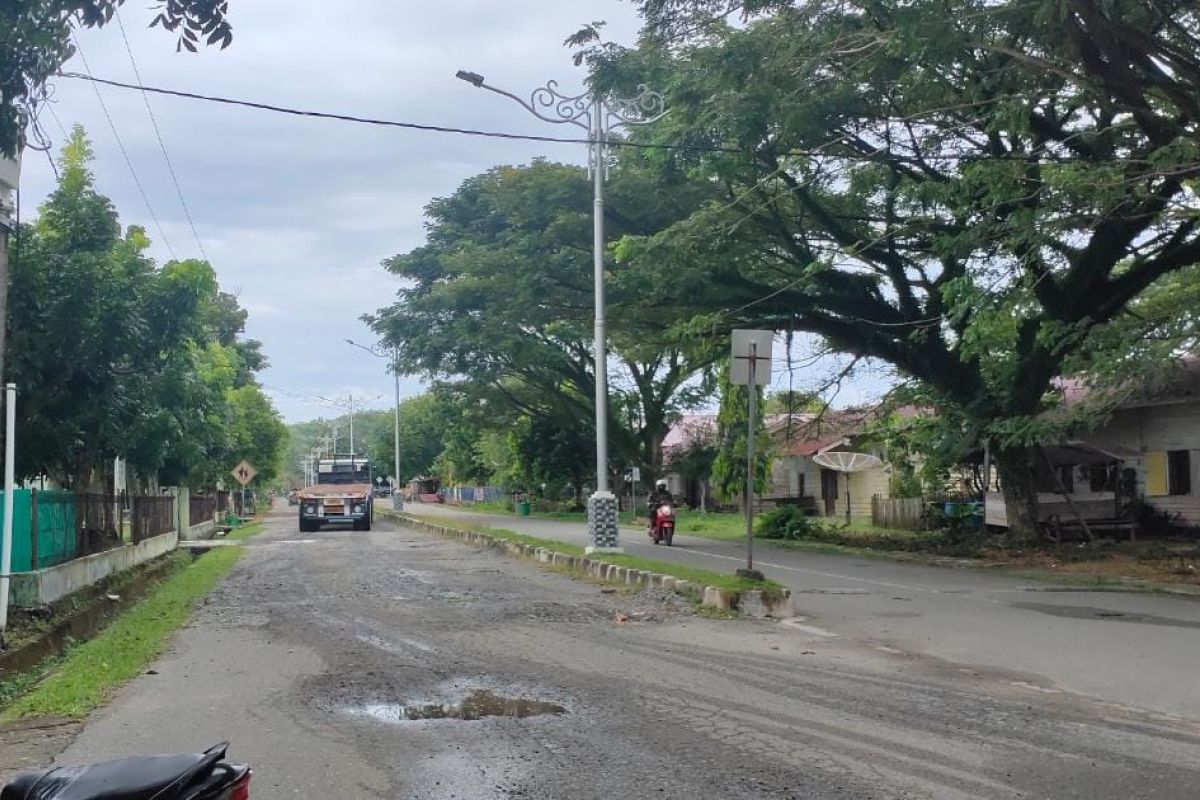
(244, 472)
(750, 366)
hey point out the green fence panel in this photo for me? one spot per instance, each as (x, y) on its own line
(22, 547)
(57, 541)
(56, 529)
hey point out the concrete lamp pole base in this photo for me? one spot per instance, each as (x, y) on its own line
(602, 524)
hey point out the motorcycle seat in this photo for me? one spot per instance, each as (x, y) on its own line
(159, 777)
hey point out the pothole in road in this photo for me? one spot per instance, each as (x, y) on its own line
(476, 705)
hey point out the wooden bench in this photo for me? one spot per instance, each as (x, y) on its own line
(1059, 526)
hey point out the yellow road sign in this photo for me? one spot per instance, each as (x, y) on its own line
(244, 473)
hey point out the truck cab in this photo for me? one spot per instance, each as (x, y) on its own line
(343, 493)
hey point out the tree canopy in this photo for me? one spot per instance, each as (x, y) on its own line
(972, 192)
(117, 357)
(501, 294)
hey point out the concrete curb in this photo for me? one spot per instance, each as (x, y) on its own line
(750, 603)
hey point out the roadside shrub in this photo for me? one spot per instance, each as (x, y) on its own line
(1157, 524)
(785, 522)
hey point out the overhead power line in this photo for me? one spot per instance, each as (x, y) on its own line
(128, 161)
(158, 134)
(389, 123)
(821, 150)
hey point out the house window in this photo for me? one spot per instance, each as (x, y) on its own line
(1044, 479)
(1102, 477)
(1066, 474)
(1179, 472)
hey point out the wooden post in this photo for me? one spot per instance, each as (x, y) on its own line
(1066, 496)
(33, 530)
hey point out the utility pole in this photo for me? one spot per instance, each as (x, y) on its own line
(10, 175)
(397, 497)
(598, 115)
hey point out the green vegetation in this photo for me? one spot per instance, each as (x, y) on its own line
(24, 627)
(244, 532)
(500, 293)
(532, 541)
(92, 670)
(35, 41)
(700, 577)
(158, 372)
(973, 194)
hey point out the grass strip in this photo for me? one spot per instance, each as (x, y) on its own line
(700, 577)
(245, 531)
(91, 671)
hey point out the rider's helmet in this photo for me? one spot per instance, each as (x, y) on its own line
(661, 485)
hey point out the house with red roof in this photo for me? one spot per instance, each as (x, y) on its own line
(796, 478)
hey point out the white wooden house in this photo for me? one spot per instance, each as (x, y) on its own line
(1152, 444)
(1161, 430)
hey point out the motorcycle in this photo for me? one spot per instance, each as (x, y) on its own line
(663, 529)
(184, 776)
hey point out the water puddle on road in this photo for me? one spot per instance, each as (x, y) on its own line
(476, 705)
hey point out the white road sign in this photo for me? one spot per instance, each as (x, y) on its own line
(745, 344)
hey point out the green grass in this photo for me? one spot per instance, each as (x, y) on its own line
(245, 531)
(22, 682)
(533, 541)
(504, 507)
(703, 577)
(721, 526)
(712, 525)
(92, 670)
(700, 577)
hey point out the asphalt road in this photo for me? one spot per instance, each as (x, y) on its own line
(1128, 648)
(305, 655)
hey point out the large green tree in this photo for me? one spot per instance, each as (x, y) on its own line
(502, 294)
(115, 357)
(970, 191)
(421, 438)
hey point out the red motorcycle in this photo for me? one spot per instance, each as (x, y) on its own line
(662, 531)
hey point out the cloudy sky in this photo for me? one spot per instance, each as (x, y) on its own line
(297, 214)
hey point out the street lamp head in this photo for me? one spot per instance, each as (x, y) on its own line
(473, 78)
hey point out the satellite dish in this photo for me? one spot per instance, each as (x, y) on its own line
(847, 462)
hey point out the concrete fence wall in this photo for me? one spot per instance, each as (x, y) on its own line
(44, 586)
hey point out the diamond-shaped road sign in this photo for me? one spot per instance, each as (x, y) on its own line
(244, 472)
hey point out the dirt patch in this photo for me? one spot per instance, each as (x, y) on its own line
(1151, 564)
(29, 744)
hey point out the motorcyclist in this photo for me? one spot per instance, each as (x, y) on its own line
(659, 497)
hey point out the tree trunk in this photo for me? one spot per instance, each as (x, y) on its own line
(1015, 469)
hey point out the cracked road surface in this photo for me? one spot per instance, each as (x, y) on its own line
(309, 654)
(1130, 648)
